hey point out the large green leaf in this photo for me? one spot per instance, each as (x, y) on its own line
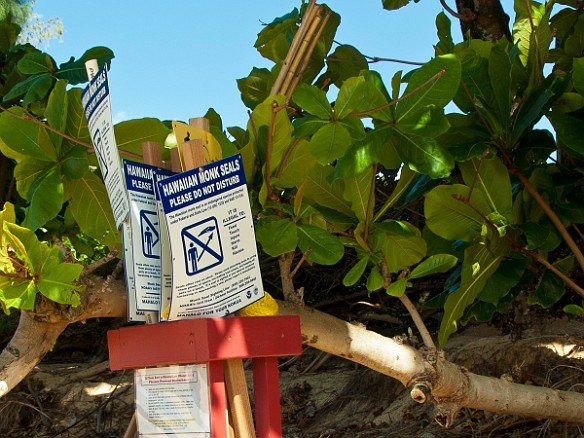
(18, 294)
(26, 246)
(503, 279)
(350, 97)
(75, 163)
(400, 242)
(255, 88)
(132, 133)
(500, 78)
(492, 179)
(277, 236)
(330, 142)
(438, 91)
(452, 218)
(21, 138)
(38, 89)
(356, 272)
(321, 191)
(427, 121)
(325, 248)
(74, 70)
(297, 165)
(26, 172)
(397, 288)
(345, 62)
(477, 90)
(578, 75)
(313, 100)
(479, 265)
(45, 198)
(35, 63)
(569, 131)
(422, 154)
(56, 113)
(58, 281)
(551, 288)
(394, 4)
(435, 264)
(358, 193)
(90, 207)
(76, 125)
(376, 96)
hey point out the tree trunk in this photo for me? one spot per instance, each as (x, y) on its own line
(430, 376)
(483, 19)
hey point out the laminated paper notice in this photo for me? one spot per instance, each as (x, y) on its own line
(215, 266)
(173, 401)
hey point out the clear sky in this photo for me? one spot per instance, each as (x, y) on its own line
(175, 59)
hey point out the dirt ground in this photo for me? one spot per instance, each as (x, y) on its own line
(72, 393)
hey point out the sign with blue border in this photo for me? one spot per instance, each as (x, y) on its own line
(96, 104)
(215, 266)
(145, 234)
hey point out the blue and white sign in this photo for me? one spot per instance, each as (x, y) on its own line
(215, 266)
(145, 235)
(97, 107)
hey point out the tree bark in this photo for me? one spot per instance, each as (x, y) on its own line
(483, 19)
(429, 375)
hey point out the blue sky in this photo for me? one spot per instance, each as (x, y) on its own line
(176, 59)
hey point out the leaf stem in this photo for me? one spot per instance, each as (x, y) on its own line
(405, 96)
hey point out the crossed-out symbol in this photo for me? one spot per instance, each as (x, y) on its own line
(202, 246)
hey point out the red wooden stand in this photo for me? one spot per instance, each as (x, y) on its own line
(214, 340)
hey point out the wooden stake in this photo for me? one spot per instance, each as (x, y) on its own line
(193, 153)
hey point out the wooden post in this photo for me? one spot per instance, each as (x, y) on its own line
(193, 153)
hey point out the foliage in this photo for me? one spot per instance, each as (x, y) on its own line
(317, 168)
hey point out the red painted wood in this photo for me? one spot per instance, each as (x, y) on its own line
(218, 400)
(267, 397)
(203, 340)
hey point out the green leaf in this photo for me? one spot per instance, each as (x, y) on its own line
(330, 142)
(76, 125)
(356, 272)
(376, 96)
(325, 248)
(446, 44)
(394, 4)
(451, 218)
(446, 71)
(428, 121)
(350, 97)
(479, 264)
(18, 295)
(374, 280)
(500, 77)
(422, 154)
(492, 179)
(573, 309)
(74, 70)
(255, 88)
(358, 193)
(397, 288)
(400, 242)
(435, 264)
(26, 246)
(503, 280)
(26, 172)
(277, 236)
(551, 288)
(21, 138)
(35, 63)
(56, 113)
(569, 131)
(75, 163)
(307, 126)
(90, 207)
(298, 164)
(45, 198)
(38, 89)
(345, 62)
(57, 280)
(313, 100)
(578, 75)
(19, 89)
(227, 147)
(475, 74)
(132, 133)
(325, 193)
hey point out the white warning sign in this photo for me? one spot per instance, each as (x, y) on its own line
(215, 266)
